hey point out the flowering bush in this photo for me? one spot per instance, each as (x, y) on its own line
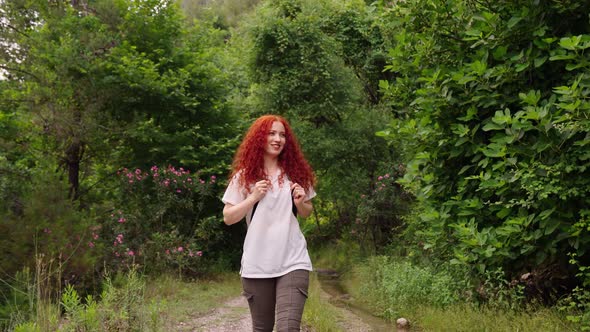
(160, 210)
(380, 213)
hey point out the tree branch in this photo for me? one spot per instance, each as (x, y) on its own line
(15, 29)
(19, 71)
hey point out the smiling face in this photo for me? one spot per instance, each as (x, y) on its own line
(275, 141)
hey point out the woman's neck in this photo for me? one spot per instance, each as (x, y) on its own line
(271, 166)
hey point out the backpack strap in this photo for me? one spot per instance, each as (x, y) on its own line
(293, 209)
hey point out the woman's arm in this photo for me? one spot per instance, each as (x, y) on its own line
(304, 208)
(234, 213)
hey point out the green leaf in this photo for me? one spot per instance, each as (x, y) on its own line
(502, 117)
(562, 57)
(570, 43)
(465, 168)
(503, 213)
(574, 66)
(538, 62)
(492, 126)
(499, 52)
(513, 21)
(521, 66)
(530, 98)
(494, 150)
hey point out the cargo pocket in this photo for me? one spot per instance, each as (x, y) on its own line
(302, 291)
(248, 296)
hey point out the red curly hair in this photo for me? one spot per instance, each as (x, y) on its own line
(249, 159)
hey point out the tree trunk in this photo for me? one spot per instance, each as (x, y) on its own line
(72, 164)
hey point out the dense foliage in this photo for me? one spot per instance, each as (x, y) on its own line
(451, 132)
(492, 113)
(88, 89)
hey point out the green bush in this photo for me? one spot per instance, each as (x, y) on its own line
(492, 118)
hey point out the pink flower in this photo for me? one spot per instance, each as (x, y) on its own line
(190, 253)
(137, 171)
(130, 253)
(154, 168)
(199, 253)
(387, 175)
(178, 190)
(202, 182)
(122, 220)
(167, 252)
(380, 178)
(90, 244)
(94, 236)
(180, 249)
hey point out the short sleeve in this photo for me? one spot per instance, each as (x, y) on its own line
(310, 194)
(234, 193)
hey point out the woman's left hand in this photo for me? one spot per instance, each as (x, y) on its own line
(298, 193)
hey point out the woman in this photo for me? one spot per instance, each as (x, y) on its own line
(271, 183)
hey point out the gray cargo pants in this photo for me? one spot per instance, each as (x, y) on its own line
(284, 295)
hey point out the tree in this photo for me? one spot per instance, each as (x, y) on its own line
(121, 75)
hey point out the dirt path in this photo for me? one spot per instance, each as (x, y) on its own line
(234, 316)
(231, 316)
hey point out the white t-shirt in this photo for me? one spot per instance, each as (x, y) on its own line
(274, 244)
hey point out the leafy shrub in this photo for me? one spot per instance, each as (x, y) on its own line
(52, 232)
(121, 306)
(381, 211)
(492, 116)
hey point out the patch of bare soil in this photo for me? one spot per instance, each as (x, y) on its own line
(231, 316)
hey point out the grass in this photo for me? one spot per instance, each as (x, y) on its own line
(179, 300)
(319, 313)
(381, 296)
(467, 318)
(384, 300)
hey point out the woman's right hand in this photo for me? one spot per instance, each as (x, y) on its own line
(260, 189)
